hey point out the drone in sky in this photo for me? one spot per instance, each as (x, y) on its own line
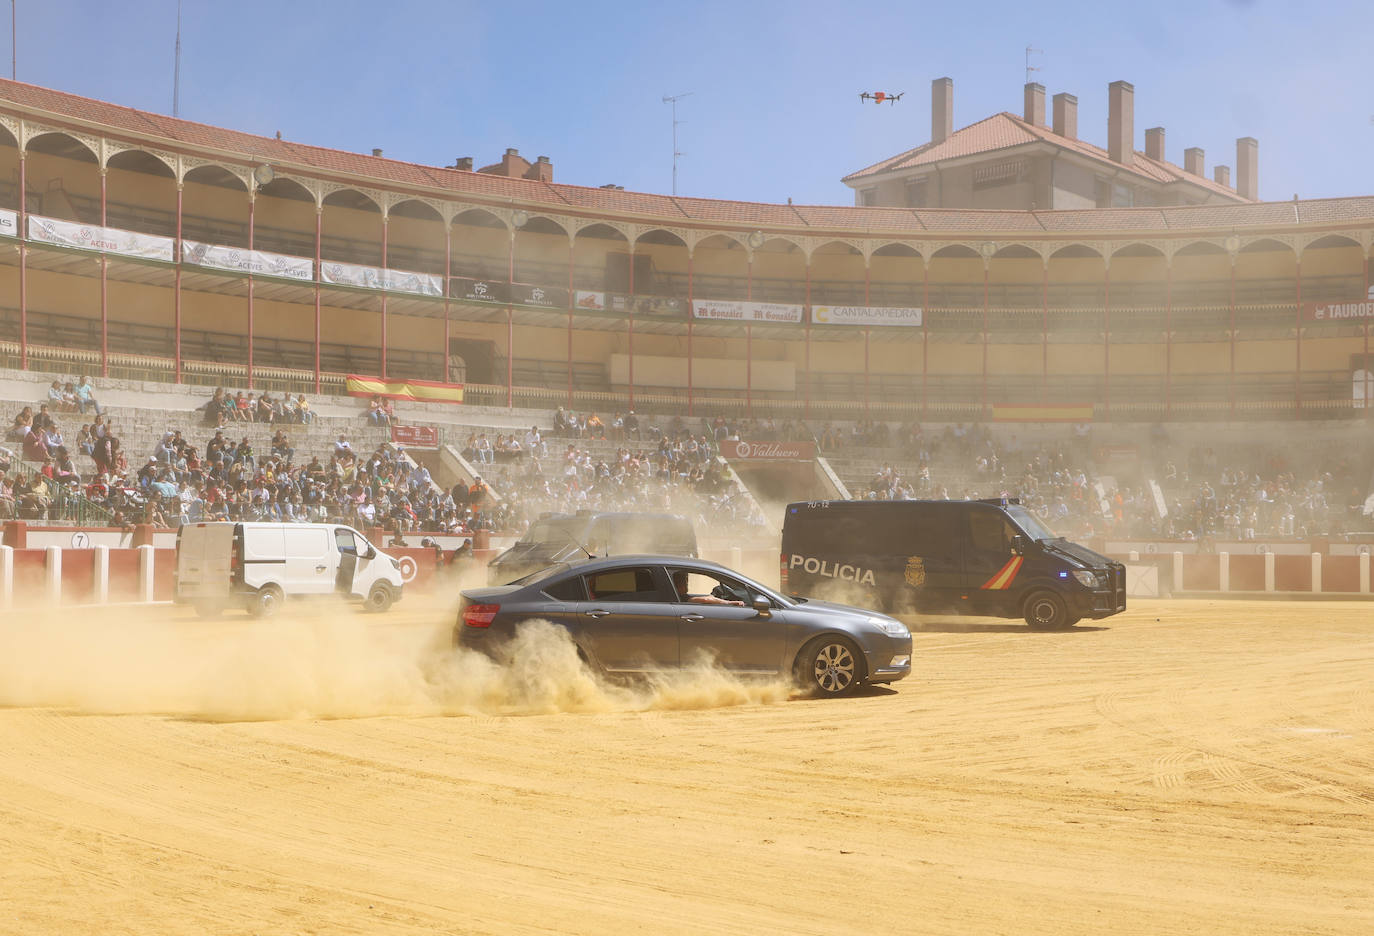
(878, 97)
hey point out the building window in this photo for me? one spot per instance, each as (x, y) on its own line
(916, 193)
(1006, 172)
(868, 197)
(1123, 196)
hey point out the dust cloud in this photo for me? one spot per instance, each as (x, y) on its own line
(321, 663)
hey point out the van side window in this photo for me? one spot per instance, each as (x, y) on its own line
(989, 532)
(344, 540)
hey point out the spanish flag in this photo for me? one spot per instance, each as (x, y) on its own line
(1005, 575)
(421, 391)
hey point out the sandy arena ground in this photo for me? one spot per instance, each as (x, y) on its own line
(1187, 767)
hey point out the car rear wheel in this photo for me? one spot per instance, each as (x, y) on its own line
(379, 599)
(1044, 610)
(266, 601)
(830, 666)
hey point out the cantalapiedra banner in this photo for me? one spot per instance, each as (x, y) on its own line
(865, 315)
(421, 391)
(256, 262)
(94, 237)
(732, 310)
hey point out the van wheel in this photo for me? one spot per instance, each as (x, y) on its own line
(210, 610)
(1044, 610)
(829, 667)
(379, 599)
(265, 601)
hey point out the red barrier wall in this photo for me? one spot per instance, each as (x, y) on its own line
(1247, 573)
(1201, 573)
(1293, 573)
(1340, 573)
(30, 572)
(123, 575)
(78, 576)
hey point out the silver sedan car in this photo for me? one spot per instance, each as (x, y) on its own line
(637, 614)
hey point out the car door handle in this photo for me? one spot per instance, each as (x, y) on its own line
(596, 614)
(692, 617)
(319, 568)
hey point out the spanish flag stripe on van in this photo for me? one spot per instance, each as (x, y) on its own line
(1005, 575)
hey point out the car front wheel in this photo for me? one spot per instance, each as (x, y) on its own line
(830, 667)
(379, 599)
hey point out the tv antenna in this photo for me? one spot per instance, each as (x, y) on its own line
(673, 99)
(176, 71)
(1031, 50)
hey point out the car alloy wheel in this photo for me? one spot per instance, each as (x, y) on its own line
(834, 667)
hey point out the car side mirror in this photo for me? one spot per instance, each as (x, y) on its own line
(371, 553)
(1018, 544)
(763, 606)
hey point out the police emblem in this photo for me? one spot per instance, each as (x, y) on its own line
(915, 571)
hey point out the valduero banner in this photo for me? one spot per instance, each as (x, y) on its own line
(93, 237)
(648, 306)
(247, 261)
(479, 290)
(865, 315)
(739, 448)
(733, 310)
(1357, 311)
(422, 391)
(547, 297)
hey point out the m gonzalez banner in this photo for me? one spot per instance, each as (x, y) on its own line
(257, 262)
(731, 310)
(108, 240)
(865, 315)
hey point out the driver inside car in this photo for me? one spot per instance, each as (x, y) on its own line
(718, 595)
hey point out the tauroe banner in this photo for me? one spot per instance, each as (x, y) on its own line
(865, 315)
(1339, 311)
(745, 311)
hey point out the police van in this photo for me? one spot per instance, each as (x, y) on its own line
(983, 557)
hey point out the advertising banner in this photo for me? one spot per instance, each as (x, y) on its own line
(1357, 311)
(590, 301)
(475, 290)
(9, 223)
(1042, 412)
(94, 237)
(546, 297)
(767, 450)
(649, 306)
(418, 436)
(746, 311)
(422, 391)
(351, 274)
(865, 315)
(257, 262)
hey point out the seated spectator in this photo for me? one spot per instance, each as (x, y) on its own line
(304, 413)
(69, 401)
(55, 396)
(35, 446)
(281, 447)
(375, 414)
(85, 396)
(267, 411)
(241, 412)
(22, 425)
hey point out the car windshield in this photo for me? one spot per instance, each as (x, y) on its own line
(1030, 523)
(556, 533)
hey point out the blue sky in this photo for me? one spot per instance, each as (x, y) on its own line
(774, 111)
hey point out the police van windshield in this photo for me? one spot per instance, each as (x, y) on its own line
(1030, 523)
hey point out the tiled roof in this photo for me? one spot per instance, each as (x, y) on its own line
(1005, 130)
(1001, 131)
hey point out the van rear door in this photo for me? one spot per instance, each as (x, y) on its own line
(203, 560)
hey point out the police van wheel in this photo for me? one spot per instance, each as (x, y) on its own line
(378, 600)
(830, 667)
(266, 601)
(1044, 610)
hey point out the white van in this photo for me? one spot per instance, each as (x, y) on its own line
(258, 565)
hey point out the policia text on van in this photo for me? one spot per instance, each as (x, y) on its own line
(987, 557)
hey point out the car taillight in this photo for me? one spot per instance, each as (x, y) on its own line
(782, 573)
(480, 615)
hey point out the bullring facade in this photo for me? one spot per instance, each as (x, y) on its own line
(134, 244)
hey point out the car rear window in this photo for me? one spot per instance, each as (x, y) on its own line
(567, 590)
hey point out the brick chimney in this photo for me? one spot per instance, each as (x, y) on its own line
(376, 151)
(1121, 122)
(1247, 168)
(1066, 115)
(941, 109)
(1194, 161)
(1221, 175)
(1154, 143)
(541, 171)
(464, 163)
(512, 165)
(1034, 110)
